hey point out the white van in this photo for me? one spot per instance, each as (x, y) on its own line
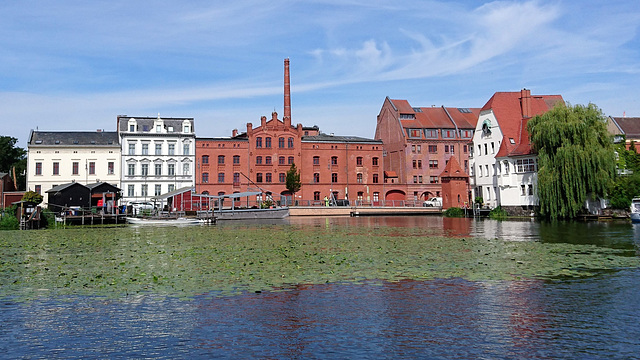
(433, 202)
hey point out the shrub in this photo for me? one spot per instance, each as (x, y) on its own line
(454, 212)
(9, 222)
(48, 218)
(498, 213)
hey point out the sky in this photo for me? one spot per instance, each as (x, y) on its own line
(77, 65)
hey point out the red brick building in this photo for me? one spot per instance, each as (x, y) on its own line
(345, 167)
(418, 143)
(455, 186)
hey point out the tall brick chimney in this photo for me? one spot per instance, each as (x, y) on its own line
(287, 95)
(525, 102)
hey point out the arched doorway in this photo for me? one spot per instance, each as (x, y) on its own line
(286, 198)
(394, 197)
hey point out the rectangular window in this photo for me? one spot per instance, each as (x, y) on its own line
(415, 164)
(415, 179)
(433, 149)
(414, 133)
(186, 169)
(419, 164)
(92, 168)
(290, 160)
(374, 161)
(172, 149)
(530, 189)
(145, 169)
(413, 148)
(452, 148)
(522, 190)
(158, 169)
(281, 142)
(290, 143)
(171, 187)
(446, 149)
(221, 177)
(282, 178)
(448, 134)
(419, 149)
(132, 148)
(205, 178)
(267, 177)
(267, 142)
(75, 168)
(158, 190)
(420, 179)
(130, 190)
(145, 190)
(376, 196)
(132, 128)
(220, 159)
(145, 149)
(334, 160)
(258, 142)
(236, 179)
(56, 168)
(259, 177)
(267, 160)
(358, 161)
(433, 164)
(158, 149)
(375, 178)
(236, 159)
(258, 160)
(334, 177)
(185, 149)
(38, 168)
(110, 167)
(131, 169)
(316, 195)
(38, 189)
(431, 133)
(433, 179)
(171, 169)
(493, 148)
(282, 160)
(526, 165)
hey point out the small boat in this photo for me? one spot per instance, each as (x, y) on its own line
(635, 210)
(248, 213)
(163, 221)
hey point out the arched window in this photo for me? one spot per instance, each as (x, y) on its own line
(290, 143)
(316, 160)
(316, 177)
(258, 142)
(281, 142)
(334, 160)
(267, 142)
(205, 178)
(205, 159)
(220, 159)
(359, 161)
(359, 178)
(258, 160)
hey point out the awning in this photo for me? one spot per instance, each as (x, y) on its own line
(390, 174)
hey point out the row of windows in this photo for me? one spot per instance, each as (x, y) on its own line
(334, 161)
(90, 167)
(433, 149)
(144, 190)
(417, 179)
(521, 166)
(433, 133)
(171, 149)
(268, 178)
(158, 169)
(267, 142)
(145, 128)
(286, 161)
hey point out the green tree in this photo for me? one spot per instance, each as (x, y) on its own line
(13, 156)
(32, 196)
(293, 183)
(575, 158)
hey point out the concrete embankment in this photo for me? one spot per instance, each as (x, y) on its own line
(360, 211)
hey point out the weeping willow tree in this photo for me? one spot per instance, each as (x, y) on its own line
(575, 158)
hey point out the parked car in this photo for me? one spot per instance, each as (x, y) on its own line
(433, 202)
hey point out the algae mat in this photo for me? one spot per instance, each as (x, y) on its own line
(186, 261)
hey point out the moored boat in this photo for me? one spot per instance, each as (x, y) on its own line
(635, 210)
(247, 213)
(163, 221)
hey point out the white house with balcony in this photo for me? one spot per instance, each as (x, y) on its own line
(158, 155)
(60, 157)
(504, 166)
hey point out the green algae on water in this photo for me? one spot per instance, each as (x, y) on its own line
(187, 261)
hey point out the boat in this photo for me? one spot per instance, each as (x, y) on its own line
(163, 221)
(635, 210)
(247, 213)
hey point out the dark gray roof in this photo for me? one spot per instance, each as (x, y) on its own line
(630, 126)
(333, 138)
(62, 187)
(95, 185)
(71, 138)
(147, 123)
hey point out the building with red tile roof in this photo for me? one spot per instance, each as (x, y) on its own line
(504, 166)
(627, 127)
(418, 143)
(455, 186)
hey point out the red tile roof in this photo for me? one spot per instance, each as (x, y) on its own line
(437, 117)
(511, 113)
(453, 169)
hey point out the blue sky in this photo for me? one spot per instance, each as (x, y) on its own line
(76, 65)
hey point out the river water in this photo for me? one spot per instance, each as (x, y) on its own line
(574, 317)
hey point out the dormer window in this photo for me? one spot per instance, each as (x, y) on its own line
(186, 128)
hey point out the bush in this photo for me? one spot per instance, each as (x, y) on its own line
(454, 212)
(48, 218)
(9, 222)
(498, 213)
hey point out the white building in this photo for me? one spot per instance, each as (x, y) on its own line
(158, 155)
(503, 164)
(59, 157)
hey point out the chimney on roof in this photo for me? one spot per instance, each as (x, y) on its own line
(263, 121)
(525, 102)
(286, 118)
(234, 133)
